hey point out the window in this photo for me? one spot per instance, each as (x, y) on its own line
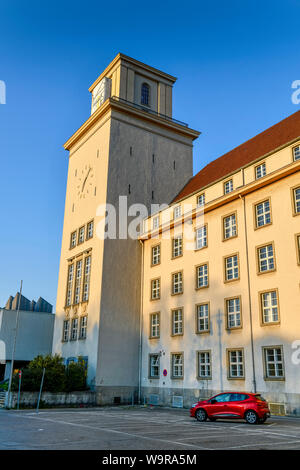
(177, 246)
(231, 268)
(177, 212)
(177, 322)
(177, 366)
(296, 153)
(260, 171)
(145, 94)
(202, 276)
(298, 247)
(228, 187)
(78, 281)
(154, 325)
(233, 313)
(66, 327)
(201, 237)
(201, 200)
(177, 284)
(86, 279)
(202, 320)
(273, 357)
(269, 307)
(154, 366)
(155, 289)
(262, 213)
(83, 327)
(296, 193)
(69, 285)
(266, 259)
(90, 230)
(155, 222)
(235, 364)
(73, 239)
(74, 329)
(204, 365)
(81, 235)
(229, 226)
(155, 257)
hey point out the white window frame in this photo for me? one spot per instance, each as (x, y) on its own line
(177, 246)
(155, 289)
(155, 222)
(83, 327)
(86, 278)
(202, 318)
(90, 230)
(263, 213)
(269, 307)
(70, 280)
(78, 276)
(232, 268)
(260, 171)
(201, 237)
(296, 153)
(154, 366)
(73, 240)
(204, 364)
(202, 276)
(74, 329)
(201, 200)
(229, 226)
(154, 325)
(228, 186)
(177, 365)
(155, 255)
(266, 258)
(81, 233)
(233, 312)
(296, 195)
(277, 362)
(236, 364)
(66, 330)
(177, 212)
(177, 321)
(177, 283)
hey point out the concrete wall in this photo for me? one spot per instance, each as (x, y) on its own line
(30, 399)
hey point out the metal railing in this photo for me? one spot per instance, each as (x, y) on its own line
(149, 110)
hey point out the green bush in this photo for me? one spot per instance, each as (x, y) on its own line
(58, 377)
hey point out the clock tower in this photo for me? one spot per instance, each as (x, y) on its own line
(130, 146)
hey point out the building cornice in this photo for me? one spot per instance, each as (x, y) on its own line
(111, 103)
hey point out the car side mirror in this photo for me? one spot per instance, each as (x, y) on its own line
(213, 401)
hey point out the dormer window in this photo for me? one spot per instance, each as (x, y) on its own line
(145, 94)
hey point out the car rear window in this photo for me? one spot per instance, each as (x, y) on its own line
(259, 397)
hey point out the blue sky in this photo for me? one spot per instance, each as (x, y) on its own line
(235, 62)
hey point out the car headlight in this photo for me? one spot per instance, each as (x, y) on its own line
(195, 404)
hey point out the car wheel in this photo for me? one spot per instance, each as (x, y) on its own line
(201, 415)
(251, 417)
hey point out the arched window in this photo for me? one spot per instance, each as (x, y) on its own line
(145, 94)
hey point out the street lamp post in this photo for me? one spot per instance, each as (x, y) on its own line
(14, 347)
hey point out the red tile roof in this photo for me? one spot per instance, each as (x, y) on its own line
(276, 136)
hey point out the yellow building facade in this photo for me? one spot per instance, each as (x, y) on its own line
(221, 302)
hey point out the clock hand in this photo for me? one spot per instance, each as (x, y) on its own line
(83, 184)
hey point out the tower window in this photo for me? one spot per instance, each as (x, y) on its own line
(145, 94)
(130, 151)
(129, 189)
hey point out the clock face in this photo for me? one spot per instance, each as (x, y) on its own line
(84, 182)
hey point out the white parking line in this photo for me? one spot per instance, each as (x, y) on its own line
(118, 432)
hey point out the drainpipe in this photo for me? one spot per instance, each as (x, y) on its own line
(141, 324)
(249, 294)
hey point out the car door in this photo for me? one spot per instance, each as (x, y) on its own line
(236, 405)
(218, 406)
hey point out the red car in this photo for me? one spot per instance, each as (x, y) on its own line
(249, 406)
